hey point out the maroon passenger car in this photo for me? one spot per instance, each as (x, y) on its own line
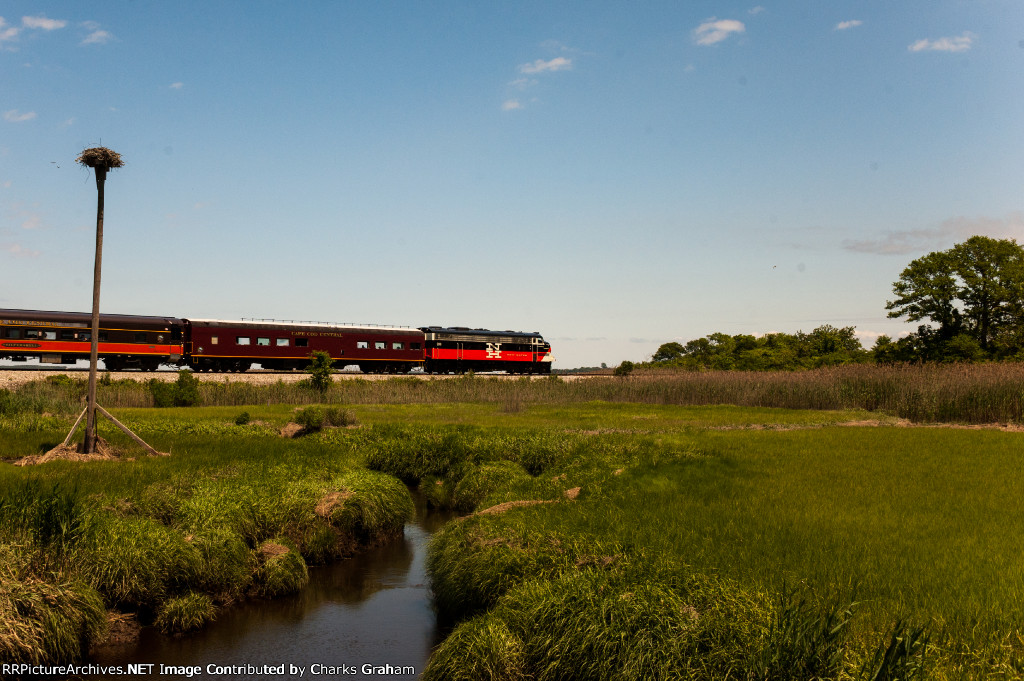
(216, 345)
(139, 341)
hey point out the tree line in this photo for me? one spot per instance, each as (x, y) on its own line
(969, 300)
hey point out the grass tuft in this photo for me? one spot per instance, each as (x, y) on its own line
(185, 613)
(281, 569)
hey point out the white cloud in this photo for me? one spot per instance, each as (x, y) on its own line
(960, 43)
(541, 66)
(756, 10)
(43, 23)
(852, 23)
(511, 105)
(15, 116)
(7, 32)
(97, 36)
(716, 30)
(19, 251)
(177, 86)
(522, 83)
(31, 220)
(943, 236)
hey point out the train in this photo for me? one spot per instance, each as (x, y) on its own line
(146, 342)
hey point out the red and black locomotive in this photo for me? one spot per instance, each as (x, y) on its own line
(145, 342)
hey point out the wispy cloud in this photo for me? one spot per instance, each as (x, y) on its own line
(716, 30)
(532, 72)
(852, 23)
(7, 32)
(756, 10)
(16, 116)
(941, 236)
(43, 23)
(19, 251)
(960, 43)
(177, 86)
(97, 36)
(30, 220)
(542, 66)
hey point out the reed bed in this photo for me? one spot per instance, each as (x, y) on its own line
(947, 393)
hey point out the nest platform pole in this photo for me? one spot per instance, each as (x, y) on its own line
(90, 422)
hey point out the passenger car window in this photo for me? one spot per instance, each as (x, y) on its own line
(242, 340)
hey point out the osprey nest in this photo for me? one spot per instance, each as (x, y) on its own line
(100, 157)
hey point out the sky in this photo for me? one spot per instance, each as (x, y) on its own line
(613, 175)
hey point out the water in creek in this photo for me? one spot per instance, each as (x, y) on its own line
(372, 610)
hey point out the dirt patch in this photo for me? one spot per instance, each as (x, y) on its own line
(331, 501)
(122, 628)
(571, 494)
(501, 508)
(269, 549)
(292, 429)
(596, 561)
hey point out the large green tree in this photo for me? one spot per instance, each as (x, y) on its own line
(975, 290)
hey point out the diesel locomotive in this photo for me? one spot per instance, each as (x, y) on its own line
(146, 342)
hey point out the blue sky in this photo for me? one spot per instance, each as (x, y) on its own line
(614, 175)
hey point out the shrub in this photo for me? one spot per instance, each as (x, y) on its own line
(316, 418)
(320, 371)
(624, 369)
(184, 392)
(242, 419)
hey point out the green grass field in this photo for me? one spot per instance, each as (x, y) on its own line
(746, 530)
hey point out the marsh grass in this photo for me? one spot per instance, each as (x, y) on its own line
(970, 393)
(162, 536)
(740, 501)
(43, 620)
(920, 527)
